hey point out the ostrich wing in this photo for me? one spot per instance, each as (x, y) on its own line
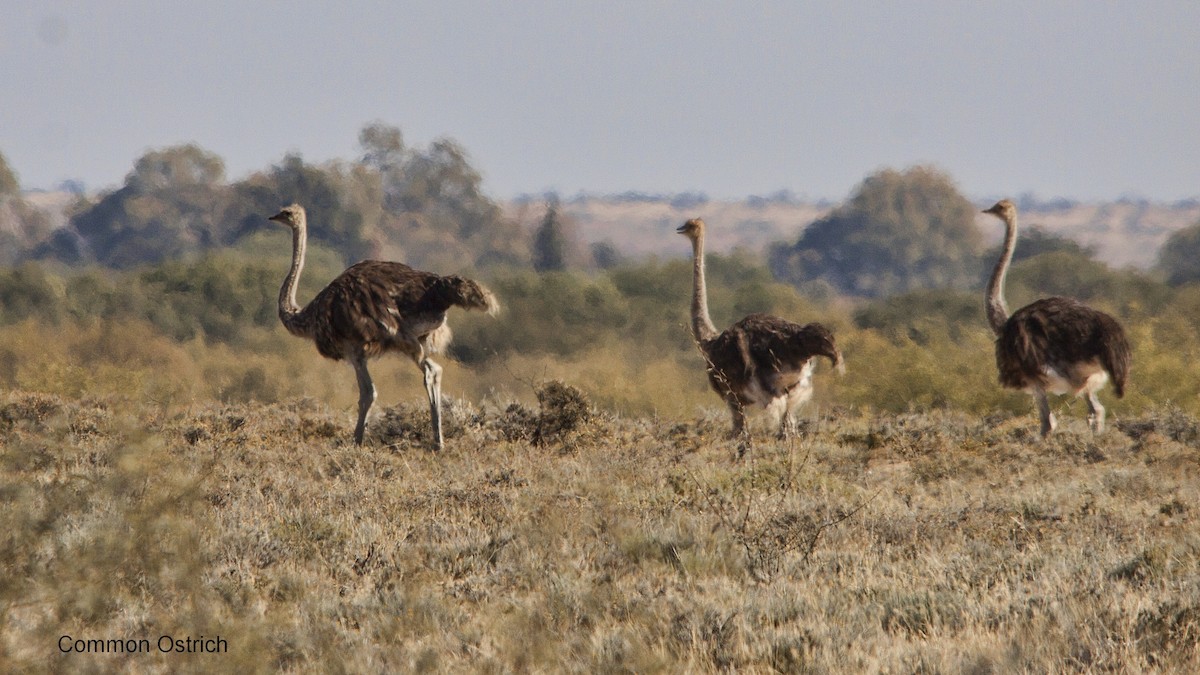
(776, 344)
(374, 302)
(1058, 333)
(761, 344)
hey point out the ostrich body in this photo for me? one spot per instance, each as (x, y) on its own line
(375, 307)
(1054, 345)
(760, 360)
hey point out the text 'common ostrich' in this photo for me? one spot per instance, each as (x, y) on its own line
(760, 360)
(375, 307)
(1056, 345)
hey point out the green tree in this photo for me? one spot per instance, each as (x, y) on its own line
(382, 146)
(1129, 293)
(384, 152)
(343, 202)
(172, 203)
(556, 244)
(552, 313)
(177, 168)
(550, 243)
(901, 231)
(23, 226)
(423, 206)
(606, 255)
(29, 290)
(216, 296)
(922, 316)
(1035, 241)
(1179, 257)
(437, 212)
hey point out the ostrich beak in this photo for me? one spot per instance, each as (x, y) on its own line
(682, 229)
(278, 217)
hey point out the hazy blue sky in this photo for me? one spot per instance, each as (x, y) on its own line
(1088, 100)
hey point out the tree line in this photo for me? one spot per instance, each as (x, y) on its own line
(180, 261)
(901, 231)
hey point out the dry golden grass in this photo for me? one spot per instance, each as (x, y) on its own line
(566, 539)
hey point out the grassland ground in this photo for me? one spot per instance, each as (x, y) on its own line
(560, 538)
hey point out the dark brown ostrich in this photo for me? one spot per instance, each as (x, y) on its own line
(760, 360)
(375, 307)
(1056, 345)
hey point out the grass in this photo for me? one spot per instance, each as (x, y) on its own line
(559, 537)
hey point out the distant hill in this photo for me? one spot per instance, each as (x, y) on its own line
(1123, 233)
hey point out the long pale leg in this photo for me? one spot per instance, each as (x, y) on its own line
(366, 397)
(780, 409)
(433, 388)
(1095, 413)
(797, 396)
(1048, 421)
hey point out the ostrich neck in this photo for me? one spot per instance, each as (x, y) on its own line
(997, 309)
(702, 325)
(289, 311)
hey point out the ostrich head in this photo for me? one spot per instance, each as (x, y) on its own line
(292, 216)
(1003, 209)
(692, 229)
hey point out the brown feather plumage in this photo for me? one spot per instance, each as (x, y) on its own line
(375, 307)
(1053, 345)
(760, 360)
(375, 304)
(1058, 333)
(755, 350)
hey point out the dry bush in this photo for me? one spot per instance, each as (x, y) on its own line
(1169, 421)
(563, 412)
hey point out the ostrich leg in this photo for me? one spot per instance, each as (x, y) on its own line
(366, 397)
(739, 431)
(433, 388)
(1043, 405)
(1095, 413)
(780, 409)
(738, 412)
(797, 396)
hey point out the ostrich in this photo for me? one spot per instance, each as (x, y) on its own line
(761, 359)
(1057, 345)
(375, 307)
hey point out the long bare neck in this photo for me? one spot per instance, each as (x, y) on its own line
(289, 311)
(997, 309)
(702, 326)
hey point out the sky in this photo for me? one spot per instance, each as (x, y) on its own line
(1082, 100)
